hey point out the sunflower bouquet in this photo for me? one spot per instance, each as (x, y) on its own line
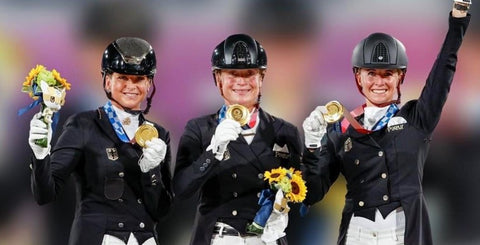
(290, 181)
(286, 185)
(46, 88)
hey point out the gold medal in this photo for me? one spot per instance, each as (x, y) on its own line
(334, 111)
(145, 132)
(238, 113)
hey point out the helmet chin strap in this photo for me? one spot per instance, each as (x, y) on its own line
(399, 93)
(149, 99)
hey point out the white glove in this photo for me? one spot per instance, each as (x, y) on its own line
(277, 222)
(460, 8)
(226, 131)
(315, 127)
(153, 154)
(39, 130)
(464, 2)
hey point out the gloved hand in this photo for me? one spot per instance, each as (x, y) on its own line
(277, 222)
(39, 130)
(315, 127)
(460, 8)
(153, 154)
(226, 131)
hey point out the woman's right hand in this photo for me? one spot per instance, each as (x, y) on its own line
(315, 127)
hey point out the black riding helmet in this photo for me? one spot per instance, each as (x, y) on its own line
(380, 51)
(239, 51)
(132, 56)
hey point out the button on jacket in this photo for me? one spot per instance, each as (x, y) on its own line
(229, 189)
(113, 196)
(384, 169)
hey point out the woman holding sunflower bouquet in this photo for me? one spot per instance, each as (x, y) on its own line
(286, 185)
(226, 162)
(122, 181)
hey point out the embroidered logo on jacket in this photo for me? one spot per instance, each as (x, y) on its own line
(396, 123)
(112, 153)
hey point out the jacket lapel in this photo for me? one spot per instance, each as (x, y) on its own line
(102, 121)
(242, 149)
(359, 137)
(261, 143)
(265, 135)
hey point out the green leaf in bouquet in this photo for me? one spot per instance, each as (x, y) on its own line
(46, 76)
(41, 142)
(253, 228)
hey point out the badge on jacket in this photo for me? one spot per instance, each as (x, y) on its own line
(112, 153)
(396, 123)
(281, 151)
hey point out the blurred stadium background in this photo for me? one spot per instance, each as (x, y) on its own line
(309, 45)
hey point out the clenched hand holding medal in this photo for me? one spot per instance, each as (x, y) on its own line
(145, 132)
(238, 113)
(154, 149)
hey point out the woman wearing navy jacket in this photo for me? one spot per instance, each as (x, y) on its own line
(226, 162)
(123, 189)
(381, 148)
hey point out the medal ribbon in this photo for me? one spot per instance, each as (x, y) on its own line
(253, 119)
(222, 114)
(117, 126)
(349, 119)
(392, 109)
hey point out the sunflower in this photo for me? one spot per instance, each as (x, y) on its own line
(32, 75)
(63, 82)
(27, 85)
(296, 172)
(40, 72)
(299, 189)
(275, 175)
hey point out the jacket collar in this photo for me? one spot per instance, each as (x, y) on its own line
(102, 121)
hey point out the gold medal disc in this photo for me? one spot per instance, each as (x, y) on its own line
(334, 111)
(238, 113)
(145, 132)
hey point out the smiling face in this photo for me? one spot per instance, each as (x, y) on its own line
(240, 86)
(379, 86)
(127, 90)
